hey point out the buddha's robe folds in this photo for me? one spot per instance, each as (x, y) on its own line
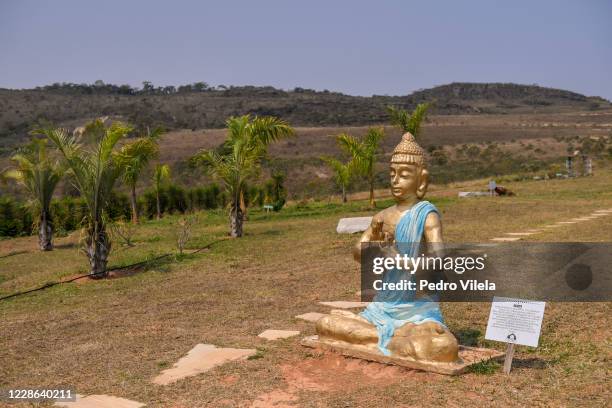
(392, 309)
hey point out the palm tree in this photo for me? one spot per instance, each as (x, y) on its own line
(240, 157)
(409, 122)
(363, 154)
(95, 167)
(39, 174)
(135, 157)
(161, 175)
(342, 174)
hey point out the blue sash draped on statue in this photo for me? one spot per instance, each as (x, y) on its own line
(392, 309)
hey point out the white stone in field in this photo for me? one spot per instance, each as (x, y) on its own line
(520, 234)
(200, 359)
(312, 317)
(353, 225)
(343, 304)
(277, 334)
(99, 401)
(466, 194)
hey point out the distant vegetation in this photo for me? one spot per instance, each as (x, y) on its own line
(199, 105)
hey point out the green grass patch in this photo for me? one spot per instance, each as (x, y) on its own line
(486, 367)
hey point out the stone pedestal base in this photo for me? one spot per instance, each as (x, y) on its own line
(467, 356)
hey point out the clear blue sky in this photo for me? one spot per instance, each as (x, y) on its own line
(355, 47)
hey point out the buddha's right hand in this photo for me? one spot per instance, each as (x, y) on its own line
(383, 239)
(377, 230)
(378, 234)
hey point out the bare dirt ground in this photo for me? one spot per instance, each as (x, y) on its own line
(113, 336)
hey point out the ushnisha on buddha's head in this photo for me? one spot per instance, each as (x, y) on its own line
(409, 175)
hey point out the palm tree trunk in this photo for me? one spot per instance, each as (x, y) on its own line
(134, 205)
(45, 232)
(97, 249)
(372, 203)
(158, 204)
(344, 200)
(236, 220)
(243, 207)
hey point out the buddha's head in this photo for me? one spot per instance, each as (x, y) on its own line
(409, 175)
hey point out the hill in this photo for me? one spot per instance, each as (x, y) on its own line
(199, 106)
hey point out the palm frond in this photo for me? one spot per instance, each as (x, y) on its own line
(161, 174)
(408, 122)
(135, 156)
(37, 172)
(268, 129)
(399, 118)
(342, 171)
(416, 119)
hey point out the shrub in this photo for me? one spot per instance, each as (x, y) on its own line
(15, 218)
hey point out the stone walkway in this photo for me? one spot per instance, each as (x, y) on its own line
(517, 236)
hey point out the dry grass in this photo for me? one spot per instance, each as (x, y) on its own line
(113, 336)
(299, 157)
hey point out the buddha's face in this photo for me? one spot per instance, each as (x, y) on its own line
(407, 181)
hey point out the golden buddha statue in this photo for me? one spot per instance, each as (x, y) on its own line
(398, 327)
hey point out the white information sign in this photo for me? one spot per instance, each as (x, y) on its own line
(515, 321)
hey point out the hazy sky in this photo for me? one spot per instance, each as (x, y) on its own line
(355, 47)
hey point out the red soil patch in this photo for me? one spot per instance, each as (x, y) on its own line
(332, 372)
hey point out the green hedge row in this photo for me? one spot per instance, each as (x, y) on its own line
(17, 218)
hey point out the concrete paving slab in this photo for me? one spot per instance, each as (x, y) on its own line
(311, 317)
(200, 359)
(344, 304)
(99, 401)
(271, 334)
(353, 225)
(467, 194)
